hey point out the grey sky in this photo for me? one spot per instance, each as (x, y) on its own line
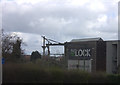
(61, 20)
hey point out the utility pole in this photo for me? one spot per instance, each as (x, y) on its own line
(48, 50)
(43, 45)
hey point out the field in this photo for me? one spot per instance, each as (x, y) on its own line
(40, 72)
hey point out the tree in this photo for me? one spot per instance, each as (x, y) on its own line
(16, 52)
(35, 55)
(11, 47)
(7, 45)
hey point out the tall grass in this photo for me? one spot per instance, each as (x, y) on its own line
(43, 73)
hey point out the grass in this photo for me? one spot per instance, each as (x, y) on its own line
(42, 73)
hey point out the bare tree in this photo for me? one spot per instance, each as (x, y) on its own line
(11, 47)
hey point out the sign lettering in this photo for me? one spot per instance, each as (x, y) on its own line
(81, 52)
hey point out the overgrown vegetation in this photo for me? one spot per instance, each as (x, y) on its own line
(41, 72)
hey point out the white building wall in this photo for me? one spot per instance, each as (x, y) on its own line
(80, 64)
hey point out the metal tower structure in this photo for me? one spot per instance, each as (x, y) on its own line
(49, 43)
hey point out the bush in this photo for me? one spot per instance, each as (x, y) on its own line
(113, 78)
(76, 76)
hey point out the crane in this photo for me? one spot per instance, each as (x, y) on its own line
(49, 43)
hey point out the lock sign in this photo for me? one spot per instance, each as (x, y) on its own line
(81, 52)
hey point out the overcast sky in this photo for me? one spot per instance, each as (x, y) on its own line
(60, 20)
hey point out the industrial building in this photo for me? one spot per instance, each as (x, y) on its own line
(112, 56)
(93, 55)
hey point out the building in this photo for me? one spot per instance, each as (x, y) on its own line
(112, 56)
(92, 55)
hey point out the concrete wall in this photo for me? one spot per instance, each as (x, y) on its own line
(118, 54)
(111, 56)
(101, 56)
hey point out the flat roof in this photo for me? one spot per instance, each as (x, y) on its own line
(87, 39)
